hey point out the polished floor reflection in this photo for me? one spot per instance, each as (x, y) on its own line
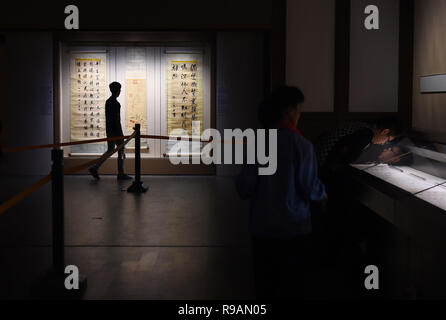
(186, 238)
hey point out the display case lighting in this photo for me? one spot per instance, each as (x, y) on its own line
(183, 51)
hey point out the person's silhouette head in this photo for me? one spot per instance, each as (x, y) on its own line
(115, 88)
(385, 129)
(284, 103)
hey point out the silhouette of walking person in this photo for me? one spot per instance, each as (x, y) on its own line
(113, 129)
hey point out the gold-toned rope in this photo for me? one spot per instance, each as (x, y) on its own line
(34, 187)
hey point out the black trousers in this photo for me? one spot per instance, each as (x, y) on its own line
(282, 266)
(121, 155)
(346, 222)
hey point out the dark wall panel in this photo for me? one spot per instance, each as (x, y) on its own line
(29, 102)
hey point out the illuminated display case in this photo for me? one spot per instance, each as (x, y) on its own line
(165, 88)
(414, 165)
(409, 193)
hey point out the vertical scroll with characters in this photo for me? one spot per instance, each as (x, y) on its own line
(184, 94)
(87, 95)
(135, 90)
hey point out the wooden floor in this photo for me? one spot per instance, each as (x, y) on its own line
(186, 238)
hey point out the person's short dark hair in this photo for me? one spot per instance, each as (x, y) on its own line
(114, 86)
(275, 106)
(390, 123)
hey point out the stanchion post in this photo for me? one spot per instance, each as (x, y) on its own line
(138, 153)
(53, 285)
(57, 181)
(1, 131)
(137, 186)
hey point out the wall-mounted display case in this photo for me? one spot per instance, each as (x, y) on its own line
(166, 87)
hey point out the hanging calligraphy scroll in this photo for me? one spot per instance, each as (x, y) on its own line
(184, 93)
(87, 95)
(135, 104)
(135, 89)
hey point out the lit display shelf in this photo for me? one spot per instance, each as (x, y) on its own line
(409, 179)
(435, 196)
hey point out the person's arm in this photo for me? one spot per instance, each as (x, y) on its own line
(307, 179)
(117, 119)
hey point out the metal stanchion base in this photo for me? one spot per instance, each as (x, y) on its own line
(137, 187)
(53, 287)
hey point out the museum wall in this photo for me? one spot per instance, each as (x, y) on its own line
(429, 110)
(29, 102)
(141, 15)
(310, 49)
(374, 58)
(372, 66)
(310, 44)
(173, 15)
(240, 83)
(3, 90)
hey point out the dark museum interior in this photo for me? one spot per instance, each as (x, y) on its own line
(358, 98)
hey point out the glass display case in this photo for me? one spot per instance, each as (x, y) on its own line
(403, 183)
(167, 89)
(412, 164)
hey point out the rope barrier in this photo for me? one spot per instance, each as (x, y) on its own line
(104, 156)
(145, 136)
(179, 138)
(4, 150)
(22, 195)
(63, 144)
(57, 178)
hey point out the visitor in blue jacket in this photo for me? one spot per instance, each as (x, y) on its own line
(280, 203)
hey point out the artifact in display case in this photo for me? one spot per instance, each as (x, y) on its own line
(88, 90)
